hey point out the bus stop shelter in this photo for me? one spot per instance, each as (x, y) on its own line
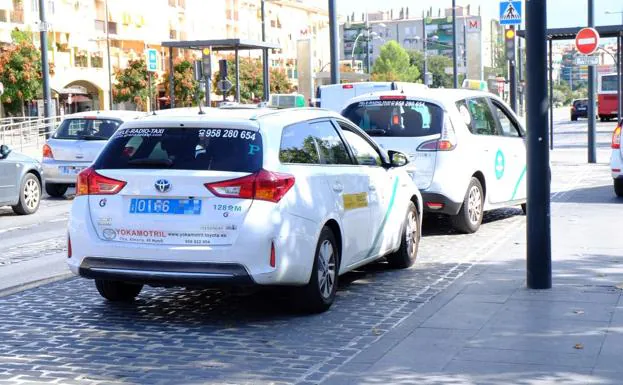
(221, 45)
(553, 34)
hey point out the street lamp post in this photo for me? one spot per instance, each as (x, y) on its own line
(110, 105)
(454, 58)
(45, 65)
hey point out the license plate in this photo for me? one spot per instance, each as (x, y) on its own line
(70, 170)
(165, 206)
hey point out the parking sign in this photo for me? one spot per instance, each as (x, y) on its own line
(151, 58)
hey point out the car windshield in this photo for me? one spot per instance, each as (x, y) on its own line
(87, 129)
(402, 118)
(580, 103)
(184, 149)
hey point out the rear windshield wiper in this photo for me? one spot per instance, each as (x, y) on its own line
(151, 162)
(376, 131)
(92, 137)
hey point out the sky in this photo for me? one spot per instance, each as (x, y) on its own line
(560, 13)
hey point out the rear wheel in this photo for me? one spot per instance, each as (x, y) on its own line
(618, 187)
(318, 295)
(29, 196)
(574, 118)
(117, 291)
(469, 218)
(56, 190)
(407, 252)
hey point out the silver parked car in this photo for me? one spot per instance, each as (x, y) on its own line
(76, 143)
(20, 181)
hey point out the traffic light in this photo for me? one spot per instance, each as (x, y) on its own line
(509, 40)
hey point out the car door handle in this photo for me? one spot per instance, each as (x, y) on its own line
(338, 187)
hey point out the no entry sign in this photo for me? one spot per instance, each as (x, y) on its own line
(587, 40)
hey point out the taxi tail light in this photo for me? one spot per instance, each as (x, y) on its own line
(263, 185)
(92, 183)
(616, 138)
(393, 97)
(447, 141)
(47, 151)
(68, 246)
(273, 259)
(347, 86)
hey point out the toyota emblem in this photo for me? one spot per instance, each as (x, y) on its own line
(162, 185)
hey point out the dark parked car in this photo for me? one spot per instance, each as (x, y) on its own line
(20, 181)
(579, 109)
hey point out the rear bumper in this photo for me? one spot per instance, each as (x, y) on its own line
(616, 164)
(51, 171)
(448, 206)
(165, 272)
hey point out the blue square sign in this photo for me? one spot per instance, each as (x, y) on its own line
(152, 59)
(510, 12)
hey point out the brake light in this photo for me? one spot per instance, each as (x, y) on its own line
(47, 151)
(273, 261)
(616, 138)
(434, 205)
(68, 246)
(263, 185)
(347, 86)
(92, 183)
(447, 141)
(393, 97)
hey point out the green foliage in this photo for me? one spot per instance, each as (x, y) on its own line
(563, 95)
(131, 84)
(252, 81)
(185, 85)
(436, 66)
(393, 64)
(20, 72)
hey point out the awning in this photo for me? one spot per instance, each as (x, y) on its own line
(80, 99)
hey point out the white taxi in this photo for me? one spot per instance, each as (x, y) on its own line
(467, 147)
(294, 197)
(616, 160)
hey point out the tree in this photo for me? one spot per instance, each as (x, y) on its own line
(436, 65)
(20, 72)
(131, 84)
(393, 64)
(252, 81)
(185, 85)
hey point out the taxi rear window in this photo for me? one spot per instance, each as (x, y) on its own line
(87, 129)
(402, 118)
(183, 148)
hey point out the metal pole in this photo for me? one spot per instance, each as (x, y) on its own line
(149, 104)
(425, 38)
(539, 242)
(592, 147)
(110, 104)
(465, 47)
(619, 64)
(265, 56)
(171, 81)
(333, 37)
(520, 69)
(455, 73)
(551, 97)
(208, 84)
(237, 54)
(45, 65)
(367, 44)
(512, 84)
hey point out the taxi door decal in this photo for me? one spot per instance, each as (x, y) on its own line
(521, 176)
(355, 201)
(390, 206)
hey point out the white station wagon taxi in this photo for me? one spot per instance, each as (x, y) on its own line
(293, 197)
(467, 147)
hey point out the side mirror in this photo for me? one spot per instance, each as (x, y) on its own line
(397, 158)
(4, 151)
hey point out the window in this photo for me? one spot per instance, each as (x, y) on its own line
(364, 152)
(183, 148)
(402, 118)
(313, 143)
(87, 129)
(477, 116)
(509, 128)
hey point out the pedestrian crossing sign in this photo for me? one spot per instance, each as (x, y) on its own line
(510, 12)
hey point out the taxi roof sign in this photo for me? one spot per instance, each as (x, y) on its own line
(478, 85)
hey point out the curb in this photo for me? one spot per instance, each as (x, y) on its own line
(33, 284)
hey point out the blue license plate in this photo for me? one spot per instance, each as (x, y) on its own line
(165, 206)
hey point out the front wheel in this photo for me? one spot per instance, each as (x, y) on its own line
(469, 218)
(318, 295)
(618, 187)
(29, 196)
(117, 291)
(409, 243)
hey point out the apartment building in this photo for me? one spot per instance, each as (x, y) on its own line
(81, 31)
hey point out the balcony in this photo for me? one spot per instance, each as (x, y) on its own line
(100, 26)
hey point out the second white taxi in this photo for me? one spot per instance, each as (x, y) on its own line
(293, 197)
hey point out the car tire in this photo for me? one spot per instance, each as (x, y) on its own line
(29, 195)
(406, 254)
(318, 295)
(56, 190)
(574, 118)
(618, 187)
(117, 291)
(469, 218)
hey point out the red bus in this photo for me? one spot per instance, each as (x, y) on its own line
(607, 100)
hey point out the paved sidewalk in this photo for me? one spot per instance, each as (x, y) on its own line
(488, 328)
